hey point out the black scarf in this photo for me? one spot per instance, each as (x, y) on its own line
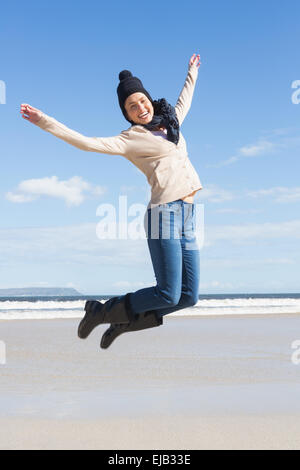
(165, 116)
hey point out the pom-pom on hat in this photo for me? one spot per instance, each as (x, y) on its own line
(127, 86)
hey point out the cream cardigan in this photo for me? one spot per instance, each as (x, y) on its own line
(166, 165)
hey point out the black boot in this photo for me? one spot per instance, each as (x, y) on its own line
(114, 310)
(141, 321)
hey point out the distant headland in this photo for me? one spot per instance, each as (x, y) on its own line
(39, 292)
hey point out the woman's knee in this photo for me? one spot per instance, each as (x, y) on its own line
(171, 299)
(190, 300)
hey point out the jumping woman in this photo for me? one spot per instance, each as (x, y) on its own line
(156, 146)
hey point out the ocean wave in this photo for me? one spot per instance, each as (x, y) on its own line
(39, 309)
(40, 305)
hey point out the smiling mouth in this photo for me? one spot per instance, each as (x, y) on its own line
(144, 116)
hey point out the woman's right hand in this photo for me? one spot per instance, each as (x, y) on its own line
(30, 113)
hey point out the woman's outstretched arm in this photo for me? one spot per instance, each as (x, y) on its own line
(117, 145)
(185, 99)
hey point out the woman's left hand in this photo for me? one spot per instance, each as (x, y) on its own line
(195, 61)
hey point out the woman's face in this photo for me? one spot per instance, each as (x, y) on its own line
(139, 108)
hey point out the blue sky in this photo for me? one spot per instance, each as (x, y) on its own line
(242, 133)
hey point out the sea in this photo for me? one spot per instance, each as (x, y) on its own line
(39, 308)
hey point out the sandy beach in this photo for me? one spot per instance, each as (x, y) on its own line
(194, 383)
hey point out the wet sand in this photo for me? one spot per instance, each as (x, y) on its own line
(193, 383)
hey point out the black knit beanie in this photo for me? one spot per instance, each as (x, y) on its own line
(164, 113)
(127, 86)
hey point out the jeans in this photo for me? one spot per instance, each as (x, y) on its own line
(170, 232)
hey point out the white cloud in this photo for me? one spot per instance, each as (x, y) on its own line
(256, 232)
(213, 193)
(281, 194)
(232, 210)
(129, 285)
(276, 140)
(215, 285)
(70, 244)
(259, 148)
(245, 262)
(76, 249)
(229, 161)
(72, 191)
(80, 245)
(19, 198)
(280, 131)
